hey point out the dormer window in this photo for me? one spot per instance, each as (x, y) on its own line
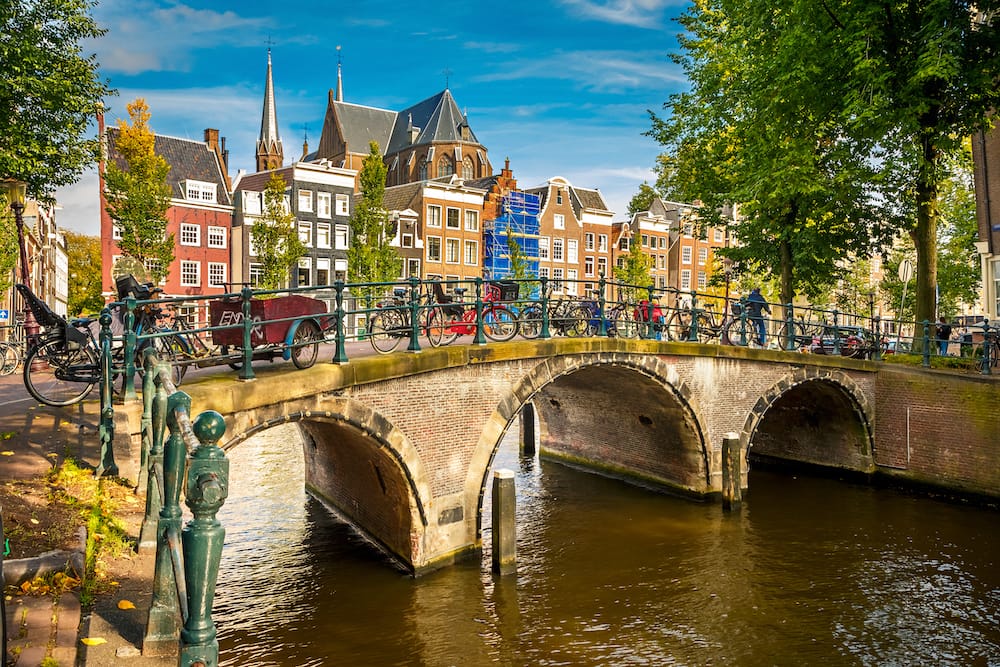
(199, 191)
(558, 196)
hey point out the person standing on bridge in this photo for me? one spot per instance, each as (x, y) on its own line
(756, 307)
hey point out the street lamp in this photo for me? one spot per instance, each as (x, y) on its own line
(16, 192)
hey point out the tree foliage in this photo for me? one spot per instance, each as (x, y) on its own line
(137, 193)
(9, 250)
(642, 200)
(827, 123)
(634, 269)
(370, 258)
(276, 243)
(84, 255)
(519, 268)
(49, 92)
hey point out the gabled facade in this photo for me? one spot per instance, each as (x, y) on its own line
(319, 195)
(986, 160)
(509, 215)
(200, 214)
(429, 140)
(575, 228)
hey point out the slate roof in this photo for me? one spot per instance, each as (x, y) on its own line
(188, 160)
(361, 124)
(400, 197)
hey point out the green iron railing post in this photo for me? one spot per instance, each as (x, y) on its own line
(162, 626)
(480, 337)
(148, 533)
(203, 536)
(650, 325)
(693, 329)
(987, 349)
(106, 426)
(149, 360)
(789, 327)
(246, 371)
(414, 345)
(340, 354)
(131, 342)
(545, 333)
(743, 322)
(877, 337)
(601, 308)
(836, 331)
(926, 363)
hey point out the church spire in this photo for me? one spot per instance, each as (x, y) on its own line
(270, 154)
(340, 80)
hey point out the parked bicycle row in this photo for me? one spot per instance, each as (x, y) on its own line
(65, 362)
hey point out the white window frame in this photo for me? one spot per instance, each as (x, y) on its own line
(558, 248)
(558, 221)
(602, 266)
(324, 207)
(686, 254)
(702, 280)
(305, 201)
(588, 267)
(702, 256)
(430, 247)
(471, 221)
(457, 214)
(571, 281)
(686, 280)
(217, 274)
(434, 216)
(216, 237)
(186, 267)
(572, 251)
(304, 263)
(190, 235)
(343, 205)
(255, 272)
(341, 237)
(199, 191)
(305, 231)
(602, 243)
(717, 235)
(543, 248)
(324, 235)
(588, 242)
(470, 253)
(116, 232)
(323, 264)
(452, 251)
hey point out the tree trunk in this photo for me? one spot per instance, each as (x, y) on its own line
(785, 256)
(925, 241)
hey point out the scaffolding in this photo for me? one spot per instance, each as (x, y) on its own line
(518, 221)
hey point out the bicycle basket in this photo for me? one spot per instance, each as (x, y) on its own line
(44, 315)
(127, 286)
(504, 290)
(737, 308)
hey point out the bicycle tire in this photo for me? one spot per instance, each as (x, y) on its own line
(53, 357)
(625, 324)
(305, 344)
(530, 322)
(798, 336)
(10, 359)
(707, 332)
(577, 322)
(383, 330)
(499, 324)
(170, 349)
(439, 328)
(740, 332)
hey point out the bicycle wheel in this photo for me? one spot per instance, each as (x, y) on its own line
(791, 337)
(625, 324)
(59, 376)
(678, 326)
(439, 329)
(707, 332)
(305, 344)
(499, 324)
(10, 359)
(530, 321)
(384, 330)
(577, 322)
(740, 332)
(171, 350)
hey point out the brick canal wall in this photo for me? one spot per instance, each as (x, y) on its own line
(938, 429)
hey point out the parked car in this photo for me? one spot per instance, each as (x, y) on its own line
(855, 342)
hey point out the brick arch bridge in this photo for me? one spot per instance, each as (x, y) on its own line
(402, 445)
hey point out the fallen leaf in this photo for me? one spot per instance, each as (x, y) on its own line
(34, 521)
(7, 453)
(94, 641)
(125, 604)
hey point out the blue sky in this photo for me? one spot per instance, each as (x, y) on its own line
(561, 87)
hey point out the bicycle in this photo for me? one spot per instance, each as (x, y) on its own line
(450, 319)
(990, 345)
(392, 322)
(11, 351)
(566, 317)
(707, 327)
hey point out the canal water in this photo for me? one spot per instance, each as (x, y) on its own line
(811, 571)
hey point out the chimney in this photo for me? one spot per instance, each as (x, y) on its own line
(212, 141)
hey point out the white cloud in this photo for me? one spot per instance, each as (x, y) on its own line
(80, 205)
(492, 47)
(637, 13)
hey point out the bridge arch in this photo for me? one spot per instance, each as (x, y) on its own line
(653, 434)
(816, 416)
(358, 462)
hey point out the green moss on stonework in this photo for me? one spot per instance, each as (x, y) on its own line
(624, 474)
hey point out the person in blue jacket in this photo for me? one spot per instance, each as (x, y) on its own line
(756, 307)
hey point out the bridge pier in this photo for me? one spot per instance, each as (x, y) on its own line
(732, 480)
(504, 523)
(529, 437)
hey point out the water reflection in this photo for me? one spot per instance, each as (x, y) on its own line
(811, 571)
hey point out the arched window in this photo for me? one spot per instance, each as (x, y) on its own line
(422, 170)
(467, 169)
(445, 167)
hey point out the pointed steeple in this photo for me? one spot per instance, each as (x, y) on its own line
(340, 80)
(270, 154)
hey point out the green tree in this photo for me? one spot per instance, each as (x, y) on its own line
(275, 241)
(757, 129)
(49, 92)
(137, 193)
(634, 271)
(519, 269)
(9, 251)
(642, 200)
(84, 254)
(370, 258)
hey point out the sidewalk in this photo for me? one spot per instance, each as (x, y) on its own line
(40, 627)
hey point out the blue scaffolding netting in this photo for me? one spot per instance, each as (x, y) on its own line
(518, 222)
